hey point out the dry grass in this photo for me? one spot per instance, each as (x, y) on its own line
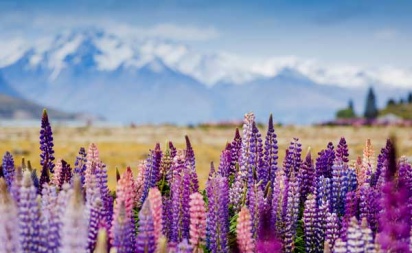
(121, 147)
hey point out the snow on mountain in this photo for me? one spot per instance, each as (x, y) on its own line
(153, 81)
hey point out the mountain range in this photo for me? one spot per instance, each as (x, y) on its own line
(157, 81)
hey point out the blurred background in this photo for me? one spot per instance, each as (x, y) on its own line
(152, 71)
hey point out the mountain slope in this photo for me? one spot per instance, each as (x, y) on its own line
(154, 81)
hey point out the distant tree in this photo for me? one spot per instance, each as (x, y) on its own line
(401, 101)
(391, 102)
(410, 98)
(371, 111)
(346, 113)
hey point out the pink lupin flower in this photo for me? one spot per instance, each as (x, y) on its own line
(93, 160)
(197, 212)
(155, 199)
(139, 183)
(244, 231)
(57, 173)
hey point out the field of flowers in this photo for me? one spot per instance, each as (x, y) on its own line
(252, 201)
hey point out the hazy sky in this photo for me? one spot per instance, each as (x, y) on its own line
(365, 32)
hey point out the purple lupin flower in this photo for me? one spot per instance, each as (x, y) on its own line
(47, 151)
(278, 199)
(292, 213)
(9, 235)
(235, 147)
(338, 187)
(270, 155)
(332, 229)
(309, 226)
(351, 210)
(29, 216)
(167, 217)
(324, 162)
(173, 150)
(323, 191)
(180, 190)
(8, 168)
(293, 161)
(342, 151)
(95, 218)
(152, 172)
(320, 225)
(74, 222)
(369, 206)
(225, 163)
(191, 164)
(340, 246)
(121, 231)
(106, 197)
(256, 208)
(145, 241)
(307, 177)
(217, 223)
(184, 247)
(80, 165)
(367, 237)
(379, 175)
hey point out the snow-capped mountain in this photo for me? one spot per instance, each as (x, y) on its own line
(154, 81)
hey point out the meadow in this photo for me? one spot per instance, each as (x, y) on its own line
(127, 146)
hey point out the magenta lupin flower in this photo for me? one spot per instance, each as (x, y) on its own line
(155, 199)
(244, 236)
(197, 221)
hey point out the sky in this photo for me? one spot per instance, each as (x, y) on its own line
(354, 32)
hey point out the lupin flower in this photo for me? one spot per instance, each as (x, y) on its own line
(355, 241)
(8, 168)
(379, 177)
(292, 213)
(123, 239)
(340, 246)
(125, 191)
(225, 163)
(342, 151)
(49, 221)
(184, 247)
(145, 241)
(80, 165)
(293, 161)
(324, 162)
(309, 226)
(139, 183)
(270, 155)
(9, 235)
(320, 225)
(94, 222)
(191, 164)
(332, 229)
(244, 236)
(29, 216)
(46, 144)
(235, 147)
(92, 161)
(339, 187)
(155, 199)
(367, 237)
(74, 222)
(307, 177)
(197, 221)
(173, 150)
(218, 214)
(152, 171)
(278, 200)
(106, 197)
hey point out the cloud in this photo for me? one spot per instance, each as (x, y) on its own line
(386, 34)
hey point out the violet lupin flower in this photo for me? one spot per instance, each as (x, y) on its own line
(307, 177)
(244, 235)
(217, 192)
(191, 164)
(106, 197)
(184, 247)
(293, 161)
(94, 221)
(379, 176)
(145, 241)
(340, 246)
(80, 165)
(152, 171)
(9, 235)
(324, 162)
(121, 230)
(351, 210)
(8, 168)
(74, 222)
(46, 144)
(29, 216)
(332, 229)
(369, 206)
(338, 187)
(167, 218)
(256, 207)
(225, 163)
(367, 237)
(292, 213)
(180, 189)
(342, 151)
(173, 150)
(278, 200)
(320, 225)
(235, 147)
(49, 221)
(355, 241)
(270, 155)
(197, 221)
(309, 226)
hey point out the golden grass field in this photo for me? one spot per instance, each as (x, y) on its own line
(125, 146)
